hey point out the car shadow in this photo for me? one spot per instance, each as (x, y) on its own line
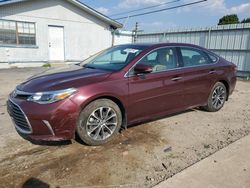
(163, 117)
(33, 182)
(78, 140)
(46, 143)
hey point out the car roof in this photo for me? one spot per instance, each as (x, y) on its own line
(157, 45)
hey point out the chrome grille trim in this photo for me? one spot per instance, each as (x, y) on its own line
(17, 93)
(20, 118)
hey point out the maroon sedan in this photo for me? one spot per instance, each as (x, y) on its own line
(118, 87)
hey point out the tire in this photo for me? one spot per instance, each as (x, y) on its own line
(217, 98)
(99, 122)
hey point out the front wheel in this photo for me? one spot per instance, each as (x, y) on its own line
(217, 97)
(99, 122)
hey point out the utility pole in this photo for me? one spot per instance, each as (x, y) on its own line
(136, 31)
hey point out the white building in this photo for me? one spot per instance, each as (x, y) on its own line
(40, 31)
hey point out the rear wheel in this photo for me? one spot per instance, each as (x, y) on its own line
(99, 122)
(217, 97)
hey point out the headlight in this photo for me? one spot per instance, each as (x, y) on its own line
(51, 96)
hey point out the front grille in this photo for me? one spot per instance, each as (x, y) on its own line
(19, 118)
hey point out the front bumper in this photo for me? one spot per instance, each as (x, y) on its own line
(45, 122)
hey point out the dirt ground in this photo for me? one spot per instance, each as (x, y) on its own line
(141, 156)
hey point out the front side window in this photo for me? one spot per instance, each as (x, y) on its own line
(161, 59)
(194, 57)
(113, 58)
(17, 33)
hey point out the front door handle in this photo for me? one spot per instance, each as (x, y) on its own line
(176, 78)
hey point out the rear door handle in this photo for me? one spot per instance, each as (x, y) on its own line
(212, 71)
(176, 78)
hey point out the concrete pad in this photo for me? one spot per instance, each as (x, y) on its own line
(229, 168)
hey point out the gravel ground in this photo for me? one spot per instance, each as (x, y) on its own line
(141, 156)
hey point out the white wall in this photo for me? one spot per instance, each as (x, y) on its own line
(84, 34)
(123, 37)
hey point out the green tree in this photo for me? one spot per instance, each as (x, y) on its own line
(247, 20)
(229, 19)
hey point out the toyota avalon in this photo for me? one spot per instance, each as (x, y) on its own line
(119, 87)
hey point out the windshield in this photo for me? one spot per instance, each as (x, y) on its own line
(113, 59)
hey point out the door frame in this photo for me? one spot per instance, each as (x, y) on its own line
(64, 41)
(203, 69)
(167, 74)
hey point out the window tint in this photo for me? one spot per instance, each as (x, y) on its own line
(194, 57)
(161, 59)
(152, 56)
(213, 58)
(17, 33)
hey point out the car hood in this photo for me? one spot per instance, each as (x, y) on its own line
(69, 76)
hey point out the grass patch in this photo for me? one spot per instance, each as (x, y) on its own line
(47, 65)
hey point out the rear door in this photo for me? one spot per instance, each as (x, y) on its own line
(157, 92)
(199, 75)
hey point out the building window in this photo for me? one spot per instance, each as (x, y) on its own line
(17, 33)
(7, 32)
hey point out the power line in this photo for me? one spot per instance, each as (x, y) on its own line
(160, 10)
(145, 8)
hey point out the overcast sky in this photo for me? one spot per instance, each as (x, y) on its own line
(199, 15)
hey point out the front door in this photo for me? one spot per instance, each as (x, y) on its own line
(156, 93)
(56, 43)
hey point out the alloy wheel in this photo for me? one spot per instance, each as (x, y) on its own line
(218, 97)
(101, 123)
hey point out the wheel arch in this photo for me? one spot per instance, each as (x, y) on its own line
(117, 101)
(226, 85)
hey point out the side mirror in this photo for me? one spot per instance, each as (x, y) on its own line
(143, 69)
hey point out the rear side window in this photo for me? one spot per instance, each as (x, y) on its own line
(194, 57)
(213, 58)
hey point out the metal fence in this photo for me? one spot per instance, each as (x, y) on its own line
(229, 41)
